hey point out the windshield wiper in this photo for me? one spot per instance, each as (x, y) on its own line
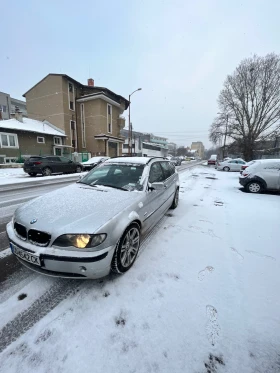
(91, 185)
(113, 186)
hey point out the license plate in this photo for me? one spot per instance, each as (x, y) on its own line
(25, 255)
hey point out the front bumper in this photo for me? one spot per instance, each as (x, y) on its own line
(63, 263)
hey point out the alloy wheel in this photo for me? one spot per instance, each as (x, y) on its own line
(254, 187)
(130, 247)
(47, 171)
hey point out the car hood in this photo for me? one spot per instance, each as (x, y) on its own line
(76, 208)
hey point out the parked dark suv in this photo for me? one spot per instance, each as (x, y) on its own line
(47, 165)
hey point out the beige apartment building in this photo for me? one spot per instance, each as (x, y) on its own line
(90, 116)
(199, 147)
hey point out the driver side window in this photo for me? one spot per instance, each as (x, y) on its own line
(156, 173)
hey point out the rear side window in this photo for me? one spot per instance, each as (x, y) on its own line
(64, 159)
(156, 173)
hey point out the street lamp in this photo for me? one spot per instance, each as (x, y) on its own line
(129, 124)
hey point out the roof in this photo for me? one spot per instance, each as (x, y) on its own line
(103, 136)
(31, 125)
(83, 86)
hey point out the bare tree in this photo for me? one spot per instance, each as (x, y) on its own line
(250, 100)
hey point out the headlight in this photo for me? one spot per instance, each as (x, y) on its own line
(80, 241)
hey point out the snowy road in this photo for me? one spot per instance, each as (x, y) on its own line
(203, 296)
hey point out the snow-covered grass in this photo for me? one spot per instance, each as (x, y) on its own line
(17, 175)
(203, 295)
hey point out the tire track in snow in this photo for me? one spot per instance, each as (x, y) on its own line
(40, 308)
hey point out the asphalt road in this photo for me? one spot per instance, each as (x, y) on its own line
(12, 196)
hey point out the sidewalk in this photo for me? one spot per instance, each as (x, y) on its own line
(11, 176)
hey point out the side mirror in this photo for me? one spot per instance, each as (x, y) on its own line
(156, 186)
(70, 161)
(80, 178)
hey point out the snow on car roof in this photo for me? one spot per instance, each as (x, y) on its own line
(139, 160)
(94, 159)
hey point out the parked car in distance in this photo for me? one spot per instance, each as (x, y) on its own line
(176, 161)
(213, 159)
(93, 162)
(262, 175)
(89, 228)
(232, 165)
(246, 165)
(50, 164)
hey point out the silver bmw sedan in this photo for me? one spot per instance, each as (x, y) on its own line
(90, 228)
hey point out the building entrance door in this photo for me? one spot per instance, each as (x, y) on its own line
(113, 149)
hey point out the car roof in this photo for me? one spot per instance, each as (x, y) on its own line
(136, 160)
(267, 160)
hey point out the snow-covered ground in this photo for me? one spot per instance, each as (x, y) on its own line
(17, 175)
(203, 296)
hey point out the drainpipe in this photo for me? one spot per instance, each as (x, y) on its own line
(77, 147)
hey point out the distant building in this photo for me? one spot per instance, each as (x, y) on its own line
(8, 105)
(198, 145)
(145, 144)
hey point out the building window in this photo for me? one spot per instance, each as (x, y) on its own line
(3, 108)
(41, 140)
(109, 118)
(10, 160)
(8, 140)
(57, 140)
(83, 125)
(73, 134)
(71, 96)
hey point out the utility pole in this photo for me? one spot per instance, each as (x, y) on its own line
(129, 124)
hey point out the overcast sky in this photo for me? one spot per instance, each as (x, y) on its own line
(179, 52)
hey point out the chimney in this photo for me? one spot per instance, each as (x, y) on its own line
(17, 114)
(90, 82)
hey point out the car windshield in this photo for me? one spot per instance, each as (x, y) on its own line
(116, 175)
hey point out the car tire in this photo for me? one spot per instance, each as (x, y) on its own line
(125, 253)
(254, 187)
(175, 200)
(227, 169)
(79, 169)
(47, 171)
(32, 174)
